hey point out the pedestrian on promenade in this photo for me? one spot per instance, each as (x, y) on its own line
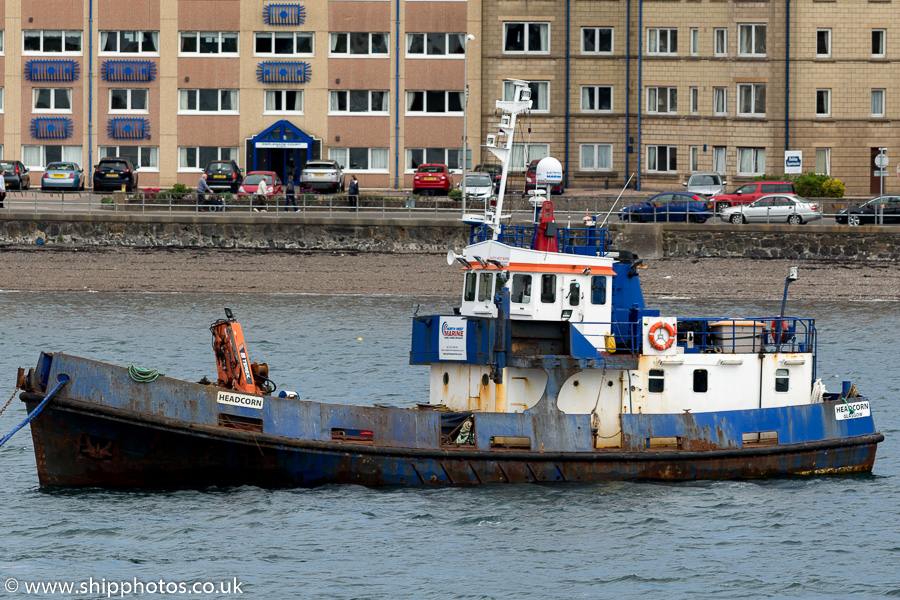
(290, 197)
(2, 187)
(202, 189)
(262, 192)
(353, 193)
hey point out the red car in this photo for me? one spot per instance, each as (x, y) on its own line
(750, 192)
(251, 183)
(531, 174)
(432, 178)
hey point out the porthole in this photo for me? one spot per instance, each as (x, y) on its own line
(609, 383)
(485, 380)
(446, 378)
(575, 383)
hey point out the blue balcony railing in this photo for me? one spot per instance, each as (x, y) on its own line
(128, 70)
(51, 128)
(45, 69)
(128, 128)
(284, 14)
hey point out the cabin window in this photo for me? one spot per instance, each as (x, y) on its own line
(486, 287)
(574, 293)
(781, 380)
(701, 381)
(598, 289)
(656, 381)
(469, 293)
(521, 289)
(548, 289)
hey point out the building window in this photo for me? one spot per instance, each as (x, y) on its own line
(823, 103)
(358, 101)
(877, 103)
(283, 43)
(359, 44)
(701, 381)
(125, 101)
(596, 40)
(694, 156)
(526, 37)
(144, 158)
(596, 98)
(596, 157)
(435, 45)
(202, 43)
(695, 41)
(656, 381)
(52, 100)
(751, 161)
(878, 43)
(2, 46)
(752, 40)
(598, 289)
(195, 158)
(206, 101)
(421, 156)
(522, 154)
(540, 94)
(823, 43)
(720, 101)
(823, 161)
(36, 41)
(782, 378)
(752, 99)
(662, 100)
(360, 159)
(131, 42)
(432, 102)
(36, 157)
(719, 159)
(695, 100)
(720, 42)
(661, 159)
(662, 42)
(2, 102)
(284, 102)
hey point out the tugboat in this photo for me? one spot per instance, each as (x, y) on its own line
(552, 369)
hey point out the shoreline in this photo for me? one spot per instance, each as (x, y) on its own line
(127, 269)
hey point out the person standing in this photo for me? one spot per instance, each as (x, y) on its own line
(290, 197)
(353, 193)
(262, 193)
(202, 189)
(2, 187)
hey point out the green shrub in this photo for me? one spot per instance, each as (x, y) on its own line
(833, 188)
(767, 177)
(107, 200)
(455, 194)
(809, 185)
(179, 190)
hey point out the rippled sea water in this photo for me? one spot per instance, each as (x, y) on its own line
(829, 537)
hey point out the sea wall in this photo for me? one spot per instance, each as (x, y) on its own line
(416, 234)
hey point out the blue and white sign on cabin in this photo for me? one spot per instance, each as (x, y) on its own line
(793, 162)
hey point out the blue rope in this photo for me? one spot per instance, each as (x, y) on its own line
(61, 379)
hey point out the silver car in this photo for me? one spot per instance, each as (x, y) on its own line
(324, 175)
(773, 208)
(478, 185)
(705, 184)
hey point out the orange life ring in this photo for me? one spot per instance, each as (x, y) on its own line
(779, 338)
(661, 346)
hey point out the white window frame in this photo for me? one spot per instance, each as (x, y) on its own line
(297, 35)
(63, 52)
(655, 93)
(823, 94)
(222, 153)
(826, 153)
(529, 152)
(333, 94)
(527, 25)
(535, 86)
(596, 31)
(882, 34)
(446, 160)
(334, 154)
(460, 40)
(69, 153)
(184, 93)
(119, 33)
(653, 156)
(720, 159)
(2, 101)
(594, 92)
(720, 41)
(52, 109)
(756, 153)
(151, 152)
(752, 30)
(720, 94)
(129, 110)
(694, 158)
(754, 94)
(694, 95)
(873, 93)
(283, 94)
(334, 35)
(825, 33)
(655, 37)
(695, 41)
(595, 166)
(3, 48)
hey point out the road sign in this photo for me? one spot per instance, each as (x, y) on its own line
(881, 161)
(882, 173)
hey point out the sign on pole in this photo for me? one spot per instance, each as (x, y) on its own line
(793, 162)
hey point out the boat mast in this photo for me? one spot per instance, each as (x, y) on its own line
(521, 101)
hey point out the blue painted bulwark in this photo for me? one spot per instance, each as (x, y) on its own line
(283, 72)
(51, 128)
(284, 14)
(128, 128)
(44, 69)
(128, 70)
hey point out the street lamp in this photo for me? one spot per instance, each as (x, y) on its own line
(465, 146)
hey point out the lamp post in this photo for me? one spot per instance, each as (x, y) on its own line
(465, 146)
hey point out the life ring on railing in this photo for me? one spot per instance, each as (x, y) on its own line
(654, 340)
(781, 337)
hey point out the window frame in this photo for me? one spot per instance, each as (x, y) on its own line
(823, 33)
(527, 49)
(700, 379)
(297, 35)
(717, 92)
(349, 45)
(534, 86)
(425, 55)
(232, 153)
(137, 165)
(671, 95)
(52, 109)
(755, 87)
(823, 94)
(358, 113)
(669, 31)
(754, 160)
(694, 41)
(43, 151)
(753, 28)
(872, 93)
(694, 97)
(595, 168)
(3, 43)
(283, 93)
(782, 381)
(129, 110)
(693, 158)
(656, 381)
(827, 154)
(446, 160)
(527, 156)
(63, 37)
(369, 150)
(720, 51)
(653, 152)
(219, 111)
(2, 101)
(596, 98)
(882, 33)
(596, 30)
(723, 150)
(119, 43)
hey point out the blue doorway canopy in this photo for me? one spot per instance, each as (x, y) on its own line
(282, 135)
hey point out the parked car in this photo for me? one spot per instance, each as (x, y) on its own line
(251, 183)
(866, 213)
(15, 174)
(668, 206)
(531, 177)
(705, 184)
(495, 171)
(749, 192)
(326, 175)
(112, 172)
(223, 175)
(63, 175)
(432, 178)
(478, 185)
(774, 208)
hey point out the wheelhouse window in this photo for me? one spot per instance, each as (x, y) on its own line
(533, 38)
(435, 45)
(548, 289)
(284, 102)
(360, 159)
(195, 158)
(598, 289)
(52, 100)
(142, 157)
(782, 380)
(662, 41)
(596, 40)
(358, 101)
(540, 94)
(752, 39)
(129, 42)
(752, 99)
(485, 287)
(596, 98)
(469, 287)
(421, 156)
(283, 43)
(662, 100)
(359, 44)
(656, 380)
(36, 41)
(662, 159)
(433, 102)
(596, 157)
(207, 101)
(128, 100)
(701, 381)
(521, 289)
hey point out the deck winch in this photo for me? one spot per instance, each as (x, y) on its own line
(236, 372)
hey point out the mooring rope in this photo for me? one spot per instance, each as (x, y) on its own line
(142, 375)
(61, 380)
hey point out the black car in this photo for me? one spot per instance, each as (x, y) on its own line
(112, 172)
(223, 175)
(867, 213)
(15, 174)
(495, 171)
